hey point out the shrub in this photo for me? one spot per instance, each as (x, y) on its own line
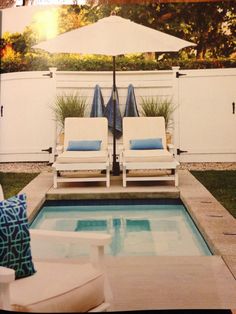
(72, 105)
(73, 62)
(158, 107)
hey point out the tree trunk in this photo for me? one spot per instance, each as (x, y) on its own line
(27, 2)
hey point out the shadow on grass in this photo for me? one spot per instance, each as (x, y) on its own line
(221, 184)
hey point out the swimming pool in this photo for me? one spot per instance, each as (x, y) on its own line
(150, 227)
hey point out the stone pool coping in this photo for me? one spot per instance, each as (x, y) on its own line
(215, 223)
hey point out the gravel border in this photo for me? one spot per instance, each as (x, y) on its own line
(30, 167)
(34, 167)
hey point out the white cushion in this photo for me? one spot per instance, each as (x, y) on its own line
(58, 287)
(152, 155)
(83, 156)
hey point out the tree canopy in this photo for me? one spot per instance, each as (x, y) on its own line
(211, 25)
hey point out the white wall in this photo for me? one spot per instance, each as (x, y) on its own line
(146, 84)
(203, 122)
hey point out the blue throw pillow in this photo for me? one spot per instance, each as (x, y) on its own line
(84, 145)
(15, 249)
(149, 143)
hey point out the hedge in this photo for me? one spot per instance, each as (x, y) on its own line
(32, 62)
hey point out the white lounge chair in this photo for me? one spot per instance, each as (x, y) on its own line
(1, 193)
(86, 130)
(145, 128)
(59, 286)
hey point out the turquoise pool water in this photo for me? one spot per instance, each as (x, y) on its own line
(138, 227)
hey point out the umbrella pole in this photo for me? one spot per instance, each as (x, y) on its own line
(115, 164)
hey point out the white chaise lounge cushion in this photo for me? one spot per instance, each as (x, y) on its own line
(153, 155)
(82, 156)
(78, 289)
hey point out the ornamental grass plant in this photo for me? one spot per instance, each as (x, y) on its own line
(69, 105)
(158, 107)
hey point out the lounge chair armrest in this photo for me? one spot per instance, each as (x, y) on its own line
(170, 148)
(96, 241)
(7, 276)
(1, 194)
(109, 152)
(122, 155)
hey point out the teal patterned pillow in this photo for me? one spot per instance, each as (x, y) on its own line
(15, 249)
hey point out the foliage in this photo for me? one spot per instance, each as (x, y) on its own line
(63, 62)
(210, 25)
(222, 184)
(71, 105)
(13, 183)
(21, 43)
(49, 23)
(46, 24)
(158, 107)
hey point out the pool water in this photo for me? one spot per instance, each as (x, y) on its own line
(138, 227)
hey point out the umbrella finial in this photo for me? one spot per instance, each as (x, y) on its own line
(113, 12)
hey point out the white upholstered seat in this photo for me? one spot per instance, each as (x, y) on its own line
(59, 286)
(141, 128)
(84, 129)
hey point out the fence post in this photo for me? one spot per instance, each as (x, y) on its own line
(53, 73)
(175, 85)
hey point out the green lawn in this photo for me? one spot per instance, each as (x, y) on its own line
(12, 183)
(222, 185)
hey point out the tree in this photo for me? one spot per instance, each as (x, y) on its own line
(7, 4)
(210, 25)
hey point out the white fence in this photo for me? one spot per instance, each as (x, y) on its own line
(204, 122)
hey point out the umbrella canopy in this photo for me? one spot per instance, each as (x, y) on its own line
(113, 36)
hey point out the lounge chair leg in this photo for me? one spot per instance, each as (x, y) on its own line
(108, 177)
(176, 178)
(55, 179)
(124, 176)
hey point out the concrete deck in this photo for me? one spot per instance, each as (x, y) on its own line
(148, 283)
(163, 282)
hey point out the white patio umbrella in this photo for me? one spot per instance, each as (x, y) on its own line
(113, 36)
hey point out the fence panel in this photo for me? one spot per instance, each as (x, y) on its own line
(207, 118)
(204, 122)
(26, 123)
(146, 84)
